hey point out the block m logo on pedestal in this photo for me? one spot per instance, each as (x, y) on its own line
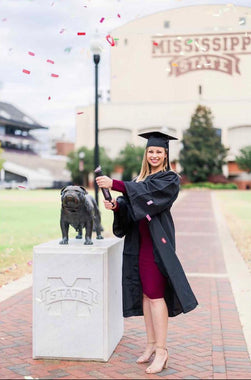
(77, 298)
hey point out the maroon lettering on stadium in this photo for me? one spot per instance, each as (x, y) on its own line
(217, 52)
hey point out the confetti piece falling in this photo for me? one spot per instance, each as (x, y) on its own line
(21, 187)
(175, 64)
(155, 43)
(80, 113)
(26, 71)
(110, 39)
(148, 217)
(163, 240)
(68, 49)
(31, 53)
(149, 203)
(50, 61)
(102, 19)
(54, 75)
(81, 33)
(29, 263)
(118, 15)
(49, 98)
(62, 31)
(189, 41)
(4, 19)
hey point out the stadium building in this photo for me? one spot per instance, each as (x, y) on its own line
(164, 65)
(23, 152)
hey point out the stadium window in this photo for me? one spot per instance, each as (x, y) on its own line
(218, 132)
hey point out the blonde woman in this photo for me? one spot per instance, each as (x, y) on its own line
(153, 281)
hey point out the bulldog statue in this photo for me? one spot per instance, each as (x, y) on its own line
(79, 209)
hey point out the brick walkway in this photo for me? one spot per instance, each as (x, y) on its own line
(206, 343)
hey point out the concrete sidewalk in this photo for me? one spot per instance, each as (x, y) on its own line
(207, 343)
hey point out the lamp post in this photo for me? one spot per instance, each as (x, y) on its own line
(96, 48)
(81, 157)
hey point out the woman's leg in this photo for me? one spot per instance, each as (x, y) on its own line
(150, 334)
(159, 314)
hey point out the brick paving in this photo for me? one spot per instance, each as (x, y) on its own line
(207, 343)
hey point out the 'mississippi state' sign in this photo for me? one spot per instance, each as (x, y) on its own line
(188, 53)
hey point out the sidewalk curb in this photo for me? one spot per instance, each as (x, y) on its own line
(239, 275)
(15, 287)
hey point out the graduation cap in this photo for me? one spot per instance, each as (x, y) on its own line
(156, 138)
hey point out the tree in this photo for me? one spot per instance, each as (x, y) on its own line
(80, 177)
(73, 165)
(1, 159)
(202, 154)
(131, 159)
(244, 159)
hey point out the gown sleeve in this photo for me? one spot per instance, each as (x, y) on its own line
(122, 218)
(118, 186)
(153, 195)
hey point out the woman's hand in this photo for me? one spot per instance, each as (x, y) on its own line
(110, 205)
(104, 181)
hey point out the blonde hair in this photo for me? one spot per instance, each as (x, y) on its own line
(146, 167)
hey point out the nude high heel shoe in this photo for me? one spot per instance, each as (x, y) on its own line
(156, 368)
(144, 358)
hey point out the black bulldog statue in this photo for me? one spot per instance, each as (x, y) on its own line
(80, 210)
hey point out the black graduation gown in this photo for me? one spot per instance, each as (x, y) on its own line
(161, 189)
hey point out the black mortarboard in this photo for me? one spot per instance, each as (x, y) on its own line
(156, 138)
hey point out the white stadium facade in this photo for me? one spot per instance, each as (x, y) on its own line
(164, 65)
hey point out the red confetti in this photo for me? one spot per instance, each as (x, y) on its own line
(31, 53)
(102, 19)
(163, 240)
(54, 75)
(21, 187)
(29, 263)
(110, 39)
(4, 19)
(50, 61)
(149, 203)
(118, 15)
(62, 31)
(26, 71)
(155, 43)
(49, 98)
(148, 217)
(81, 33)
(79, 113)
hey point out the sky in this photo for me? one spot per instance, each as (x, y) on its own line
(35, 33)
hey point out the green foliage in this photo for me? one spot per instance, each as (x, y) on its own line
(78, 177)
(1, 159)
(73, 164)
(131, 159)
(106, 163)
(244, 159)
(203, 153)
(210, 185)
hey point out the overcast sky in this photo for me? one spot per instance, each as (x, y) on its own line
(49, 29)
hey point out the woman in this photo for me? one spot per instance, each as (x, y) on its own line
(153, 281)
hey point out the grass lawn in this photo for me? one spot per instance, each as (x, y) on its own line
(28, 218)
(31, 217)
(236, 206)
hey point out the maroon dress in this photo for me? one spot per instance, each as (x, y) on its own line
(153, 282)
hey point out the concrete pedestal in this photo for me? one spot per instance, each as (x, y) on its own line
(77, 299)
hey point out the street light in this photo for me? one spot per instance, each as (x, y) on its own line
(96, 48)
(81, 156)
